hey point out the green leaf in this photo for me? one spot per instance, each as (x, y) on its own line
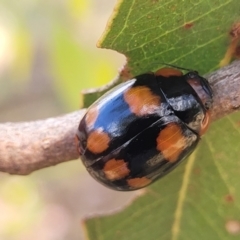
(191, 34)
(194, 35)
(200, 199)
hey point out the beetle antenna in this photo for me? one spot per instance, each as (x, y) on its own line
(171, 65)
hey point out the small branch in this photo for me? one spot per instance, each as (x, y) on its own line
(26, 147)
(226, 87)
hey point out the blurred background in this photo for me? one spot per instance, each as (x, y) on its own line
(48, 54)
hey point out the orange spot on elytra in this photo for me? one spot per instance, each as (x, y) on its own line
(141, 100)
(171, 142)
(138, 182)
(91, 116)
(167, 72)
(205, 124)
(98, 141)
(115, 169)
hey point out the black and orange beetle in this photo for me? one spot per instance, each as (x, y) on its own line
(143, 128)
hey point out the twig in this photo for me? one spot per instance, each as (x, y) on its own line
(226, 87)
(29, 146)
(26, 147)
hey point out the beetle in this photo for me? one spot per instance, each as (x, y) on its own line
(143, 128)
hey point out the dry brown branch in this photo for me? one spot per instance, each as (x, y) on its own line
(226, 87)
(26, 147)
